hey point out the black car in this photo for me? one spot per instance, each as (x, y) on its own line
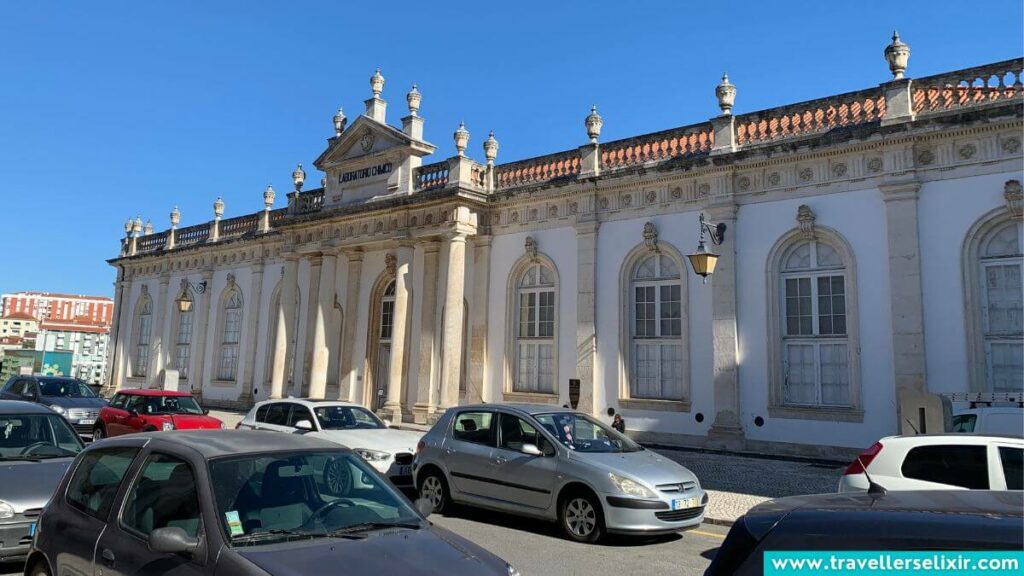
(230, 502)
(71, 398)
(863, 521)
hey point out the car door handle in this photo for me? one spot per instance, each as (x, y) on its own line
(108, 558)
(499, 460)
(449, 450)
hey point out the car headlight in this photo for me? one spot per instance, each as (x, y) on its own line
(629, 487)
(511, 571)
(371, 455)
(58, 409)
(6, 510)
(168, 426)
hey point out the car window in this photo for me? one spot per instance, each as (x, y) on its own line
(964, 466)
(261, 413)
(582, 433)
(134, 402)
(277, 414)
(97, 477)
(1013, 467)
(25, 388)
(515, 432)
(473, 427)
(347, 418)
(65, 388)
(169, 405)
(964, 422)
(164, 495)
(36, 436)
(299, 413)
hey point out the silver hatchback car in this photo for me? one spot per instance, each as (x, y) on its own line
(556, 464)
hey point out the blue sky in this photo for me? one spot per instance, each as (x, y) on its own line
(112, 109)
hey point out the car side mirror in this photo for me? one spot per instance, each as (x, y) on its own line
(387, 423)
(172, 540)
(531, 450)
(206, 411)
(304, 425)
(424, 507)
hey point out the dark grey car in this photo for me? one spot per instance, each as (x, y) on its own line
(239, 502)
(73, 399)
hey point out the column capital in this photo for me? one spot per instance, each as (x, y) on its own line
(454, 236)
(430, 246)
(587, 227)
(353, 254)
(897, 191)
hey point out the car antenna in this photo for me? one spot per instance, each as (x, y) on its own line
(874, 488)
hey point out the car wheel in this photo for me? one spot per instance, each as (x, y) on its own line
(434, 489)
(580, 518)
(338, 477)
(98, 434)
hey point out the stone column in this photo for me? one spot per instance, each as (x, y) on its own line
(315, 262)
(478, 328)
(396, 375)
(324, 307)
(347, 386)
(586, 313)
(726, 430)
(119, 333)
(454, 296)
(905, 300)
(248, 371)
(158, 339)
(284, 333)
(426, 403)
(197, 371)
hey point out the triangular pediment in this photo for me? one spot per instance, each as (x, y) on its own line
(366, 138)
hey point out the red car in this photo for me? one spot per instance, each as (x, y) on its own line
(151, 410)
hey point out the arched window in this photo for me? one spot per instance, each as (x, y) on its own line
(998, 266)
(183, 340)
(231, 332)
(815, 337)
(143, 329)
(535, 314)
(656, 329)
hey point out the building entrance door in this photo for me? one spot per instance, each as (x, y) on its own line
(380, 387)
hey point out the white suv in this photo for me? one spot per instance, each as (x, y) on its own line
(939, 462)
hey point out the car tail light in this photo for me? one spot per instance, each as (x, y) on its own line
(420, 445)
(864, 460)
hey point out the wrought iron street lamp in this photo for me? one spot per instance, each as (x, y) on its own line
(702, 261)
(184, 299)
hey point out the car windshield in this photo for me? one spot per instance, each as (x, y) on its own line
(60, 387)
(347, 418)
(584, 434)
(169, 405)
(36, 437)
(964, 422)
(263, 498)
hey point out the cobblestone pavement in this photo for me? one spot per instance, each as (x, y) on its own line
(736, 483)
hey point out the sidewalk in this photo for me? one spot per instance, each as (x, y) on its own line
(734, 483)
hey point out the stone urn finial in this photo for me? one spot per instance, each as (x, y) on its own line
(148, 228)
(897, 55)
(137, 225)
(461, 137)
(339, 122)
(323, 182)
(298, 177)
(128, 226)
(491, 148)
(175, 217)
(377, 83)
(218, 208)
(413, 98)
(593, 122)
(726, 94)
(269, 196)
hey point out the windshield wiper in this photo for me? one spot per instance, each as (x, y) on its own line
(366, 526)
(277, 532)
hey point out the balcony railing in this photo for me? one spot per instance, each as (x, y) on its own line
(432, 176)
(537, 170)
(811, 117)
(684, 141)
(967, 88)
(308, 202)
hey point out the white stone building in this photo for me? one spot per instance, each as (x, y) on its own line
(870, 258)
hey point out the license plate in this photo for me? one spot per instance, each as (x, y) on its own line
(87, 421)
(684, 503)
(405, 470)
(32, 529)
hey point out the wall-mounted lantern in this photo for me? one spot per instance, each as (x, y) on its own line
(702, 261)
(184, 300)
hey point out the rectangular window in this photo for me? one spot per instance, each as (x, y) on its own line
(141, 366)
(473, 427)
(96, 479)
(535, 367)
(387, 319)
(816, 366)
(671, 310)
(954, 465)
(645, 312)
(228, 362)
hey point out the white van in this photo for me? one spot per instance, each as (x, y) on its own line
(990, 420)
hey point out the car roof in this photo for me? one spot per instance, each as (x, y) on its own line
(42, 378)
(150, 392)
(526, 408)
(310, 402)
(21, 407)
(967, 502)
(951, 438)
(218, 443)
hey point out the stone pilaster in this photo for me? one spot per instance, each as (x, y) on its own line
(454, 297)
(159, 337)
(285, 331)
(119, 333)
(197, 371)
(586, 313)
(478, 327)
(426, 402)
(247, 373)
(905, 299)
(313, 306)
(396, 374)
(324, 308)
(347, 388)
(726, 430)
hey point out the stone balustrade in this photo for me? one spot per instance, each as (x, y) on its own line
(239, 226)
(658, 146)
(432, 176)
(307, 202)
(151, 242)
(811, 117)
(998, 82)
(192, 235)
(538, 170)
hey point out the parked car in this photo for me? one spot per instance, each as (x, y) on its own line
(556, 464)
(1007, 420)
(36, 447)
(912, 521)
(939, 462)
(139, 410)
(238, 503)
(388, 450)
(71, 398)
